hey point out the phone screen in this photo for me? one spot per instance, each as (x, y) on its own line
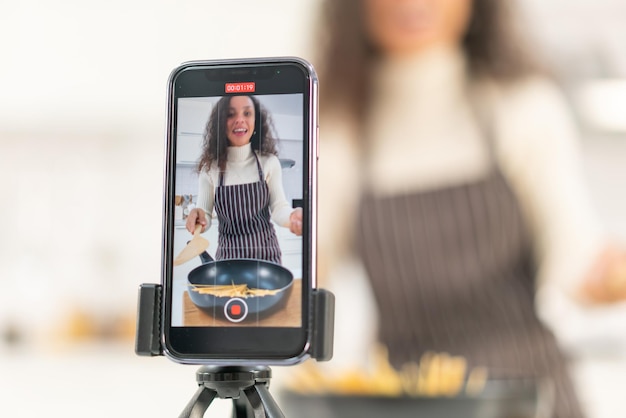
(239, 224)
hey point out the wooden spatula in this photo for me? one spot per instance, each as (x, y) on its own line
(194, 247)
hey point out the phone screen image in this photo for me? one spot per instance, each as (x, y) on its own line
(239, 160)
(239, 225)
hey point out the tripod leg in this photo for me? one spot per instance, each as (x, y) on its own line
(199, 403)
(262, 402)
(241, 408)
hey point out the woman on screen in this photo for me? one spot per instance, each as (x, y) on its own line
(241, 178)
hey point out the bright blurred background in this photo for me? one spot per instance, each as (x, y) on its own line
(82, 123)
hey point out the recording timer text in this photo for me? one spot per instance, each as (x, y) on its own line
(247, 87)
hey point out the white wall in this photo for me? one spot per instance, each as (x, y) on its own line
(74, 64)
(82, 118)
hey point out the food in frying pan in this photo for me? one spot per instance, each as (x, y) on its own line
(436, 374)
(232, 291)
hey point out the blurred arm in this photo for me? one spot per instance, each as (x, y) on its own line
(543, 159)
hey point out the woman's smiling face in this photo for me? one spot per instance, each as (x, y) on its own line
(240, 121)
(400, 27)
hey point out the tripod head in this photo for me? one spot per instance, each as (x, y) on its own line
(247, 387)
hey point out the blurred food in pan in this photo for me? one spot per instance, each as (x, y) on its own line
(436, 375)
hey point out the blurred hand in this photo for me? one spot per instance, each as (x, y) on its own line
(606, 282)
(196, 216)
(295, 221)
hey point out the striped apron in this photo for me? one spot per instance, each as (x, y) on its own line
(245, 230)
(451, 271)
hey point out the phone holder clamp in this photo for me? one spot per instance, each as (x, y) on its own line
(148, 332)
(248, 387)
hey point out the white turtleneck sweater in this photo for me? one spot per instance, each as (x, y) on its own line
(422, 133)
(241, 168)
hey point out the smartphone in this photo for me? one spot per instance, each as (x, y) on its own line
(239, 228)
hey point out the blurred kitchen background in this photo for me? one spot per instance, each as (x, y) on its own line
(82, 121)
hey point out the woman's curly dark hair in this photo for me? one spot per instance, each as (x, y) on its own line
(215, 143)
(492, 44)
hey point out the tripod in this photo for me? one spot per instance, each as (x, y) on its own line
(247, 387)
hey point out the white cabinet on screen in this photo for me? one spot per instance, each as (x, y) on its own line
(188, 148)
(193, 114)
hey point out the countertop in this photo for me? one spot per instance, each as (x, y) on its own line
(109, 380)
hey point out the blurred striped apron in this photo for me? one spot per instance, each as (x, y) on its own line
(451, 270)
(245, 229)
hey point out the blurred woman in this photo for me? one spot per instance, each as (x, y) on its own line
(240, 176)
(456, 166)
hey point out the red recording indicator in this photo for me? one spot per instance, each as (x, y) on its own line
(246, 87)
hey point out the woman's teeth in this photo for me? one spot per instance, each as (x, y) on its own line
(240, 131)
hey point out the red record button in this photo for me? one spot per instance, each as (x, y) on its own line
(236, 310)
